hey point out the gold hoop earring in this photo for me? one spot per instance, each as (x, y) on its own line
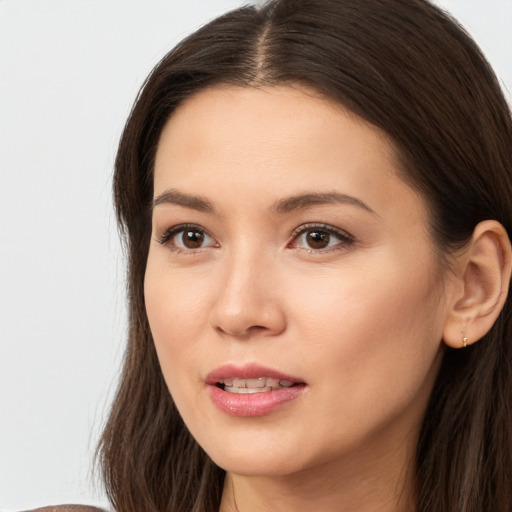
(464, 339)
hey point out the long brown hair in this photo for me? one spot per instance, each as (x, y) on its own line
(408, 68)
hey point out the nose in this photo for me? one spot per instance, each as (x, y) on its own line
(247, 302)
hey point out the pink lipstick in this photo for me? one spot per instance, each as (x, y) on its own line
(252, 390)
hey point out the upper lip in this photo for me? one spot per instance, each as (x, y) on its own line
(247, 371)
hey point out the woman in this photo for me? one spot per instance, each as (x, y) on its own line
(316, 201)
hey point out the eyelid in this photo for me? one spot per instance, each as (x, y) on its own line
(343, 236)
(169, 233)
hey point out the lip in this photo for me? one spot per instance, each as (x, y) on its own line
(247, 371)
(257, 404)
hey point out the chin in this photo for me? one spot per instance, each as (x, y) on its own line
(259, 462)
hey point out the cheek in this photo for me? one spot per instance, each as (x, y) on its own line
(177, 305)
(173, 322)
(177, 301)
(371, 303)
(365, 337)
(373, 336)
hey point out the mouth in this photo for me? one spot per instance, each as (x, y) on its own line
(254, 385)
(252, 379)
(252, 390)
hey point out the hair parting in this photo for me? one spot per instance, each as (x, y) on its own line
(408, 68)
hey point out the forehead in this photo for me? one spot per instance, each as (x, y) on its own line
(270, 117)
(273, 141)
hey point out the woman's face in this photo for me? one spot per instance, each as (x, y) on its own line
(292, 287)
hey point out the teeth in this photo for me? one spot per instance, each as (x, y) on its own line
(259, 385)
(239, 383)
(273, 383)
(256, 383)
(246, 390)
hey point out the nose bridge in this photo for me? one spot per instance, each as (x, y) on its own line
(242, 270)
(246, 299)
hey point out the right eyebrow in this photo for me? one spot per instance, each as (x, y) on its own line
(311, 199)
(172, 196)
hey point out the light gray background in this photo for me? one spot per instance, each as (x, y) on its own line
(69, 71)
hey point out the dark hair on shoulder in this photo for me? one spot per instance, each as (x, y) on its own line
(411, 70)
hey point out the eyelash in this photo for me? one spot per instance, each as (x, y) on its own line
(344, 239)
(166, 237)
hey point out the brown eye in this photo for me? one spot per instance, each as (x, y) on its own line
(321, 238)
(192, 239)
(318, 239)
(184, 238)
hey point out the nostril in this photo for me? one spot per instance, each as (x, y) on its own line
(241, 333)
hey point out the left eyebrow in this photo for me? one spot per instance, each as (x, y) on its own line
(173, 196)
(309, 200)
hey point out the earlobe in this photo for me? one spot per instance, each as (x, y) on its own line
(483, 274)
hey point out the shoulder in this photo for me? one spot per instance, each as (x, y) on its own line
(67, 508)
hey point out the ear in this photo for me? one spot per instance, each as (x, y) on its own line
(482, 279)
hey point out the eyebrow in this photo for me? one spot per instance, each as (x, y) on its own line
(283, 206)
(309, 200)
(173, 196)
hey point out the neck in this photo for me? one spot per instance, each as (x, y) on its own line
(377, 482)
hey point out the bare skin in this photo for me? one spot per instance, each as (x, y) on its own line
(369, 490)
(284, 237)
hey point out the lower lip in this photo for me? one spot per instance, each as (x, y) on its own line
(253, 404)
